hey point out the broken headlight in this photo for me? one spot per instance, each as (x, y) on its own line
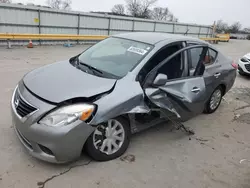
(68, 114)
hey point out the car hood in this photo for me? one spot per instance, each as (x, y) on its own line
(61, 81)
(247, 56)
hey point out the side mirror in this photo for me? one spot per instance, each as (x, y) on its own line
(160, 80)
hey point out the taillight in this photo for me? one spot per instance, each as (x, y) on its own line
(235, 65)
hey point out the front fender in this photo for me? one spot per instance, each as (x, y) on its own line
(127, 97)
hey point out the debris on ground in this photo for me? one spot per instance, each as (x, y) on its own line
(226, 135)
(242, 107)
(244, 118)
(32, 166)
(128, 158)
(178, 125)
(225, 100)
(205, 144)
(240, 142)
(243, 160)
(236, 116)
(201, 139)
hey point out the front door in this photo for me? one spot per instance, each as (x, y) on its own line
(185, 96)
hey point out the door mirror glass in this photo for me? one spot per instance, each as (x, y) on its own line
(160, 80)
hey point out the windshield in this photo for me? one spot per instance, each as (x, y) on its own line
(115, 56)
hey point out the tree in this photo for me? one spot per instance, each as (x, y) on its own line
(221, 26)
(66, 4)
(172, 18)
(143, 9)
(140, 8)
(159, 13)
(60, 4)
(235, 27)
(246, 30)
(118, 9)
(5, 1)
(163, 14)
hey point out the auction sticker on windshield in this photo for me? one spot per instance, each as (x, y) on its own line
(137, 50)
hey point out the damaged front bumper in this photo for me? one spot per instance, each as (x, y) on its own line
(51, 144)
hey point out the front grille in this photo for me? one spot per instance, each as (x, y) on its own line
(247, 67)
(22, 107)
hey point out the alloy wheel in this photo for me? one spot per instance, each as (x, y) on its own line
(108, 138)
(215, 99)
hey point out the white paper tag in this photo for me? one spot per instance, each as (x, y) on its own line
(137, 50)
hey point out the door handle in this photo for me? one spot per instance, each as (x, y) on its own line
(217, 75)
(196, 90)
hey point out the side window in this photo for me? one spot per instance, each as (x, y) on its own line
(210, 57)
(168, 69)
(195, 56)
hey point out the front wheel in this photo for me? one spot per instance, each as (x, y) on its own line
(110, 140)
(214, 101)
(241, 73)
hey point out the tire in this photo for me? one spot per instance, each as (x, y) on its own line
(241, 73)
(95, 151)
(208, 109)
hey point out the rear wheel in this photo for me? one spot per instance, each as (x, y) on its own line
(110, 140)
(214, 101)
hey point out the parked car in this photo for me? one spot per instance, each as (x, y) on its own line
(244, 65)
(124, 84)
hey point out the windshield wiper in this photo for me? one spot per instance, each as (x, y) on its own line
(94, 70)
(90, 67)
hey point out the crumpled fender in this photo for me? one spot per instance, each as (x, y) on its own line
(126, 98)
(161, 100)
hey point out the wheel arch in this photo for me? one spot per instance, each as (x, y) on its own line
(224, 87)
(125, 116)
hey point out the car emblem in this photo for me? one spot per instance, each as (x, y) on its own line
(16, 102)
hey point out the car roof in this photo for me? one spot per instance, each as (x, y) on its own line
(155, 37)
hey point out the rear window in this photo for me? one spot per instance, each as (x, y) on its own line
(195, 56)
(210, 56)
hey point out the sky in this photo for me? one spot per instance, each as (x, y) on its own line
(187, 11)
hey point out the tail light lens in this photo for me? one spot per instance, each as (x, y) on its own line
(235, 65)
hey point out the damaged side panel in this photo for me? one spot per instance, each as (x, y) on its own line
(185, 98)
(122, 100)
(161, 100)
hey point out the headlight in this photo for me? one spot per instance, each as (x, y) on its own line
(243, 59)
(67, 115)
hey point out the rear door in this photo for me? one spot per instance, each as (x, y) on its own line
(185, 97)
(213, 70)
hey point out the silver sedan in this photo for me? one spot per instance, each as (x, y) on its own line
(124, 84)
